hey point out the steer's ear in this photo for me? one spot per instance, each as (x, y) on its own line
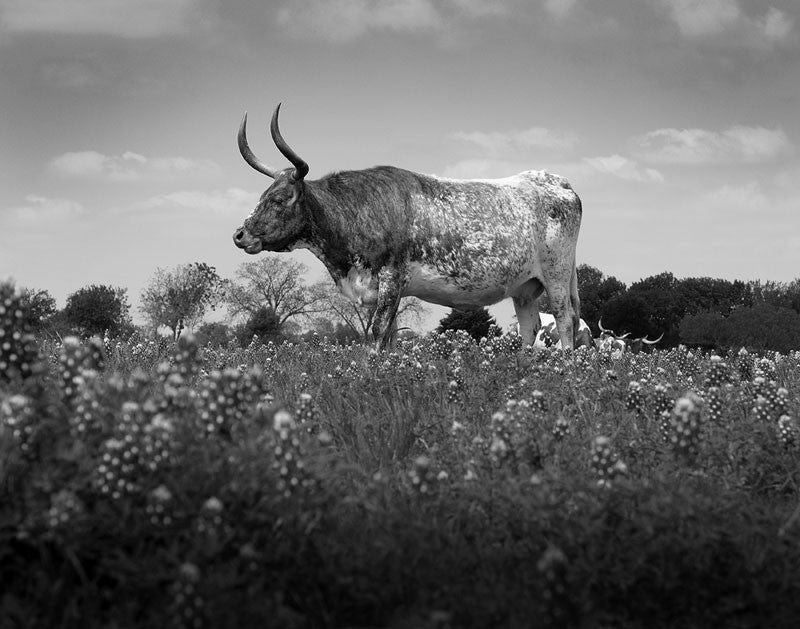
(297, 190)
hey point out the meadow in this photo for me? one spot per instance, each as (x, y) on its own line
(447, 483)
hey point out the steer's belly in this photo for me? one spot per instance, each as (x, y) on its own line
(429, 284)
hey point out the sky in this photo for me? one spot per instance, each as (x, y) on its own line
(676, 121)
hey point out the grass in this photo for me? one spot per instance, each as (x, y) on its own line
(313, 485)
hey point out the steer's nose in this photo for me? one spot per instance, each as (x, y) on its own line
(238, 237)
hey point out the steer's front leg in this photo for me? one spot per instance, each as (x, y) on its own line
(389, 291)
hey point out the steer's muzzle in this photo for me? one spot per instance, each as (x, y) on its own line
(244, 240)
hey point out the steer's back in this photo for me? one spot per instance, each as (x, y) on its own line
(474, 242)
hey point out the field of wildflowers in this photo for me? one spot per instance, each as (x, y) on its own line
(444, 484)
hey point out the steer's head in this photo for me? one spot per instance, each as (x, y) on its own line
(279, 220)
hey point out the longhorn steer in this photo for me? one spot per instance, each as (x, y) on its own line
(385, 233)
(609, 341)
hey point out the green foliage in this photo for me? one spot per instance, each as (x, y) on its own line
(478, 323)
(98, 309)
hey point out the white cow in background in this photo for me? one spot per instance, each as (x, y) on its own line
(608, 341)
(548, 333)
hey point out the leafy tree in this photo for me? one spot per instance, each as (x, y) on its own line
(649, 307)
(792, 295)
(41, 306)
(277, 283)
(595, 290)
(777, 293)
(263, 324)
(698, 294)
(336, 331)
(633, 313)
(214, 333)
(182, 296)
(704, 329)
(478, 322)
(763, 326)
(96, 309)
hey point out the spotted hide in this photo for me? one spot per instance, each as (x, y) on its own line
(385, 233)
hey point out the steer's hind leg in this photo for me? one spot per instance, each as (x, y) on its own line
(526, 307)
(562, 301)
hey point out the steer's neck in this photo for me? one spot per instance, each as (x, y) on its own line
(356, 218)
(329, 238)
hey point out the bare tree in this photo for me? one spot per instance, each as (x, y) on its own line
(181, 296)
(276, 283)
(360, 318)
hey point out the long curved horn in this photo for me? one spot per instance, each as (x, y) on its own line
(248, 155)
(648, 342)
(300, 167)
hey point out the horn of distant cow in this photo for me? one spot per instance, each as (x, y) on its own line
(649, 342)
(610, 332)
(248, 155)
(300, 167)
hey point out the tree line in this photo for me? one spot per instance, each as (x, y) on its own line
(268, 299)
(271, 300)
(703, 312)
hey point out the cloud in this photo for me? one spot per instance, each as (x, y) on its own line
(497, 168)
(340, 21)
(129, 166)
(712, 20)
(624, 168)
(233, 201)
(696, 18)
(344, 21)
(738, 144)
(614, 165)
(502, 143)
(39, 208)
(748, 196)
(76, 73)
(480, 8)
(480, 169)
(559, 8)
(140, 19)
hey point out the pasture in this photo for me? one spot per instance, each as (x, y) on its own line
(444, 484)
